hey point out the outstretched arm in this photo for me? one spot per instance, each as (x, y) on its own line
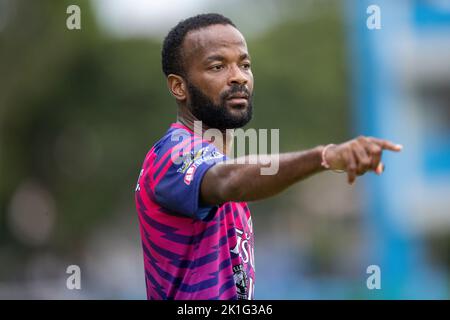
(235, 180)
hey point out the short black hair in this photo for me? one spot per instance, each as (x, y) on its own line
(171, 54)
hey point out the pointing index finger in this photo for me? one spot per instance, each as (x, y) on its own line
(385, 144)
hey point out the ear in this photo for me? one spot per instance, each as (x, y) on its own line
(177, 86)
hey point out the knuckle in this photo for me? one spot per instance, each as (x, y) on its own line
(348, 149)
(364, 139)
(376, 149)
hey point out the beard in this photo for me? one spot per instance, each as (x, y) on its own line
(219, 116)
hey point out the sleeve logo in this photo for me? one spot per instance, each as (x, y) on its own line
(189, 176)
(201, 156)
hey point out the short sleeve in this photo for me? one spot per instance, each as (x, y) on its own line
(179, 177)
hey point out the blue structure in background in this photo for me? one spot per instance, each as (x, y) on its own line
(401, 92)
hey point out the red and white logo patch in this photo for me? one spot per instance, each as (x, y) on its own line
(189, 176)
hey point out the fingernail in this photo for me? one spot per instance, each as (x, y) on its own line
(399, 146)
(379, 169)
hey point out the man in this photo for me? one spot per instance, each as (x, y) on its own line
(196, 228)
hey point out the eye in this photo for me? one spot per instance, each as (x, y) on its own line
(217, 67)
(246, 66)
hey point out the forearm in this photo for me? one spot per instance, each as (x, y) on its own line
(241, 179)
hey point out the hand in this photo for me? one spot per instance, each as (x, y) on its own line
(359, 155)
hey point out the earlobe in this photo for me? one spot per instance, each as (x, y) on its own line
(177, 86)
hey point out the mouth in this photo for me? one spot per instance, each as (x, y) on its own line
(238, 98)
(237, 101)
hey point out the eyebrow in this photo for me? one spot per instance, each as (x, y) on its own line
(218, 57)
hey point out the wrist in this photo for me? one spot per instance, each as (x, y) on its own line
(319, 152)
(323, 156)
(325, 162)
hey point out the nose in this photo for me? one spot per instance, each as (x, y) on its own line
(237, 76)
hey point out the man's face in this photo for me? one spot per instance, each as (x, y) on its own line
(219, 78)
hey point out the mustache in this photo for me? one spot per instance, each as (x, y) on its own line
(236, 88)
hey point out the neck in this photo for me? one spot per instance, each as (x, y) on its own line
(186, 118)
